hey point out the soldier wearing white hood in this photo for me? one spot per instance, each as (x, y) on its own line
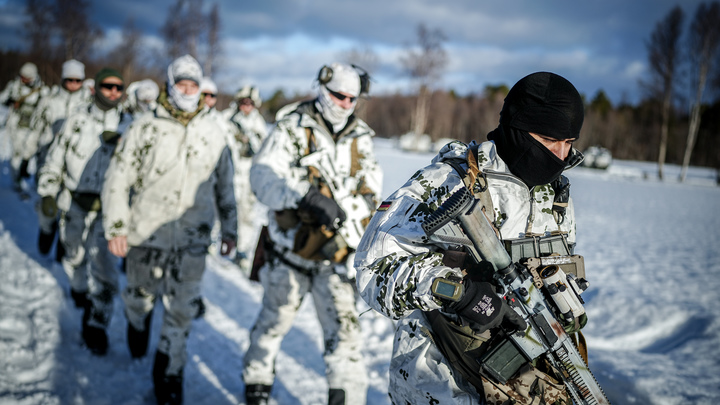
(22, 95)
(319, 156)
(248, 131)
(45, 124)
(141, 97)
(170, 174)
(71, 180)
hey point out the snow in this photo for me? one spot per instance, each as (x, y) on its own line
(652, 257)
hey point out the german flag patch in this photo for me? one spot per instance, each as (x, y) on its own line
(385, 206)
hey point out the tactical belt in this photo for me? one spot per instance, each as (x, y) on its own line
(87, 201)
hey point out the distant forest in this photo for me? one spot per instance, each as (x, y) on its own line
(677, 121)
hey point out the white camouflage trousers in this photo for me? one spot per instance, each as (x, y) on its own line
(176, 277)
(246, 212)
(335, 305)
(88, 263)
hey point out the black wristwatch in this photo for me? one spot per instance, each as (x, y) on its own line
(446, 289)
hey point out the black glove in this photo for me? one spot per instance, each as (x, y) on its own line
(111, 137)
(483, 307)
(326, 211)
(48, 206)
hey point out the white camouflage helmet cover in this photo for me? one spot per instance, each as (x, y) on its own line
(147, 90)
(250, 92)
(345, 79)
(29, 71)
(73, 69)
(207, 85)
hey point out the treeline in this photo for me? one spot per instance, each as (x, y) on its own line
(629, 132)
(677, 121)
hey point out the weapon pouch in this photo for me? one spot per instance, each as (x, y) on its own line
(537, 246)
(460, 345)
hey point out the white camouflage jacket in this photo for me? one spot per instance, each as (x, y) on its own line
(48, 117)
(31, 95)
(178, 175)
(253, 125)
(79, 157)
(396, 263)
(280, 180)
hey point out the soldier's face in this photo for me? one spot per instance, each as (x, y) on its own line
(210, 99)
(344, 100)
(112, 88)
(246, 106)
(72, 85)
(559, 147)
(188, 87)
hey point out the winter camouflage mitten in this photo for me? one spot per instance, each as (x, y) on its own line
(483, 307)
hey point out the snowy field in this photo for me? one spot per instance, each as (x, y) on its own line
(652, 257)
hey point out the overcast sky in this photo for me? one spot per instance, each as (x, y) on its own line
(281, 44)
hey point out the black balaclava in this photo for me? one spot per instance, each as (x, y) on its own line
(101, 101)
(543, 103)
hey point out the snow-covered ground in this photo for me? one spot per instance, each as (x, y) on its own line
(652, 255)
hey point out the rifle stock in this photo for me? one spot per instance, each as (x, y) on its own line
(545, 334)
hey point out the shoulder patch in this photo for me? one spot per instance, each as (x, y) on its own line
(385, 206)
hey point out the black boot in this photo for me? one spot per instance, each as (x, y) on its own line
(59, 251)
(200, 305)
(138, 339)
(257, 394)
(168, 388)
(45, 240)
(80, 298)
(336, 396)
(95, 338)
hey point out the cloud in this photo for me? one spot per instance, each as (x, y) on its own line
(282, 43)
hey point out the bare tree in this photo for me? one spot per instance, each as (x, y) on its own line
(425, 66)
(213, 39)
(365, 58)
(172, 31)
(704, 43)
(40, 17)
(195, 24)
(77, 33)
(126, 55)
(186, 26)
(663, 57)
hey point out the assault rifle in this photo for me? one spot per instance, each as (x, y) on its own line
(344, 192)
(528, 296)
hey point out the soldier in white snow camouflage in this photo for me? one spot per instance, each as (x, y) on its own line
(304, 249)
(171, 173)
(22, 95)
(45, 124)
(397, 262)
(248, 130)
(74, 173)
